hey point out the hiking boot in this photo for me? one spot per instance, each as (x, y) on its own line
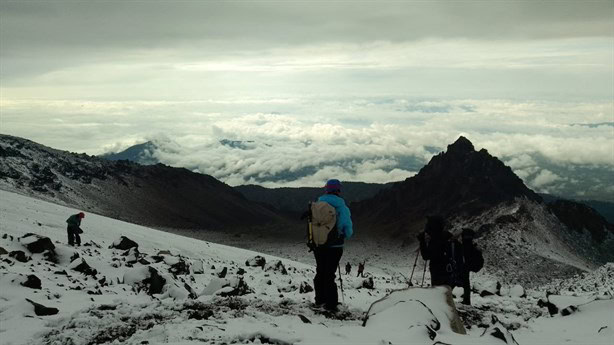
(331, 307)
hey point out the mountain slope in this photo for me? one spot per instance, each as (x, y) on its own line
(461, 181)
(474, 189)
(155, 195)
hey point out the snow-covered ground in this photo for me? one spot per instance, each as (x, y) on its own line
(211, 295)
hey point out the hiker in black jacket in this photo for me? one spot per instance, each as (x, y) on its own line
(473, 261)
(450, 261)
(438, 246)
(74, 228)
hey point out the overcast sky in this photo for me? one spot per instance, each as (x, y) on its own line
(353, 77)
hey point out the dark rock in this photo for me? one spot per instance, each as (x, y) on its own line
(191, 292)
(155, 281)
(368, 283)
(37, 243)
(164, 252)
(222, 274)
(61, 273)
(305, 288)
(257, 261)
(51, 256)
(180, 268)
(32, 282)
(144, 262)
(86, 269)
(41, 310)
(276, 266)
(240, 271)
(3, 251)
(124, 243)
(19, 256)
(569, 310)
(74, 256)
(200, 314)
(240, 288)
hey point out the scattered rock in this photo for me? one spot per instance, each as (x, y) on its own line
(132, 255)
(19, 256)
(305, 288)
(83, 267)
(74, 256)
(123, 243)
(198, 267)
(222, 273)
(36, 243)
(497, 330)
(180, 268)
(142, 261)
(41, 310)
(155, 281)
(488, 288)
(239, 288)
(517, 291)
(257, 261)
(276, 266)
(32, 282)
(368, 283)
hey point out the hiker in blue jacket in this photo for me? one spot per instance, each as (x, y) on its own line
(328, 256)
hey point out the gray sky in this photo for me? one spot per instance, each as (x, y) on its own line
(353, 77)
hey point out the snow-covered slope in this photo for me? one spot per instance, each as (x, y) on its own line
(180, 290)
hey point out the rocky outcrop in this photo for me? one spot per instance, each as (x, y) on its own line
(458, 182)
(36, 243)
(124, 243)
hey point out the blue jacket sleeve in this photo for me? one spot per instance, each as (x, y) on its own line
(345, 221)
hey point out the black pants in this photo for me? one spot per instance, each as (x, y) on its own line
(327, 261)
(73, 235)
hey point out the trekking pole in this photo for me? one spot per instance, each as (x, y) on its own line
(423, 273)
(414, 268)
(341, 284)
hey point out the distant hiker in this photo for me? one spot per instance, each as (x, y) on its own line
(361, 269)
(74, 228)
(348, 268)
(327, 231)
(450, 260)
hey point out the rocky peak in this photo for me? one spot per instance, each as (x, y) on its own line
(460, 146)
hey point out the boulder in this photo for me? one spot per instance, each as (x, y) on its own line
(368, 283)
(32, 282)
(41, 310)
(425, 311)
(257, 261)
(132, 255)
(180, 268)
(198, 267)
(145, 277)
(305, 288)
(83, 267)
(487, 288)
(19, 256)
(517, 291)
(498, 331)
(276, 266)
(123, 243)
(222, 273)
(36, 243)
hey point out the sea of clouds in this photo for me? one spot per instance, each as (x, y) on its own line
(564, 148)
